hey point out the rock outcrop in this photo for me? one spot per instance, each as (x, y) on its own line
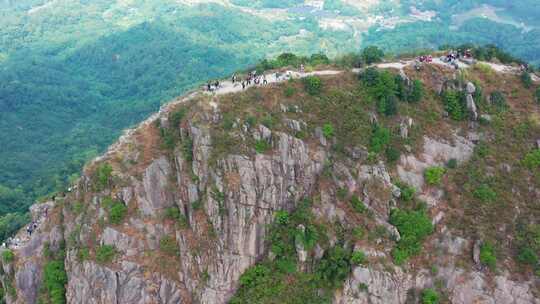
(180, 221)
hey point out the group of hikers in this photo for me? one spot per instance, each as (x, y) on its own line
(425, 58)
(451, 58)
(29, 230)
(33, 226)
(252, 78)
(212, 86)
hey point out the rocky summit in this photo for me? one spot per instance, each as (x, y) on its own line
(395, 183)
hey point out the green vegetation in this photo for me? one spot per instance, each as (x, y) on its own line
(342, 193)
(11, 223)
(369, 77)
(10, 199)
(105, 254)
(170, 137)
(340, 6)
(55, 279)
(430, 296)
(358, 258)
(498, 101)
(328, 130)
(392, 154)
(83, 254)
(117, 213)
(387, 105)
(358, 233)
(387, 88)
(414, 226)
(379, 139)
(8, 256)
(454, 102)
(292, 60)
(103, 176)
(385, 92)
(487, 255)
(107, 202)
(282, 217)
(262, 146)
(484, 68)
(54, 276)
(10, 288)
(537, 95)
(433, 175)
(168, 245)
(197, 205)
(176, 117)
(372, 54)
(174, 213)
(407, 192)
(452, 163)
(279, 280)
(358, 205)
(335, 266)
(117, 210)
(532, 159)
(187, 149)
(77, 207)
(526, 80)
(417, 92)
(313, 85)
(485, 193)
(289, 91)
(528, 243)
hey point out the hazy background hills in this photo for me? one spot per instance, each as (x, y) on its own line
(73, 74)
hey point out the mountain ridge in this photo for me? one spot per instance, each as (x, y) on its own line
(183, 207)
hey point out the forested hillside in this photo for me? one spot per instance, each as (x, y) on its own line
(73, 74)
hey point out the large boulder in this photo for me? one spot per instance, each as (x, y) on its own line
(471, 106)
(471, 88)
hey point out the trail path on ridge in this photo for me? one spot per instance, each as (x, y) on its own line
(227, 86)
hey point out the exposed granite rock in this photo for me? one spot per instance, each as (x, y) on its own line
(381, 287)
(435, 153)
(301, 252)
(470, 88)
(404, 127)
(471, 106)
(25, 272)
(486, 117)
(357, 153)
(294, 125)
(152, 194)
(319, 134)
(368, 285)
(476, 252)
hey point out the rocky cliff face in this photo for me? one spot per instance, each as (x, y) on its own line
(177, 210)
